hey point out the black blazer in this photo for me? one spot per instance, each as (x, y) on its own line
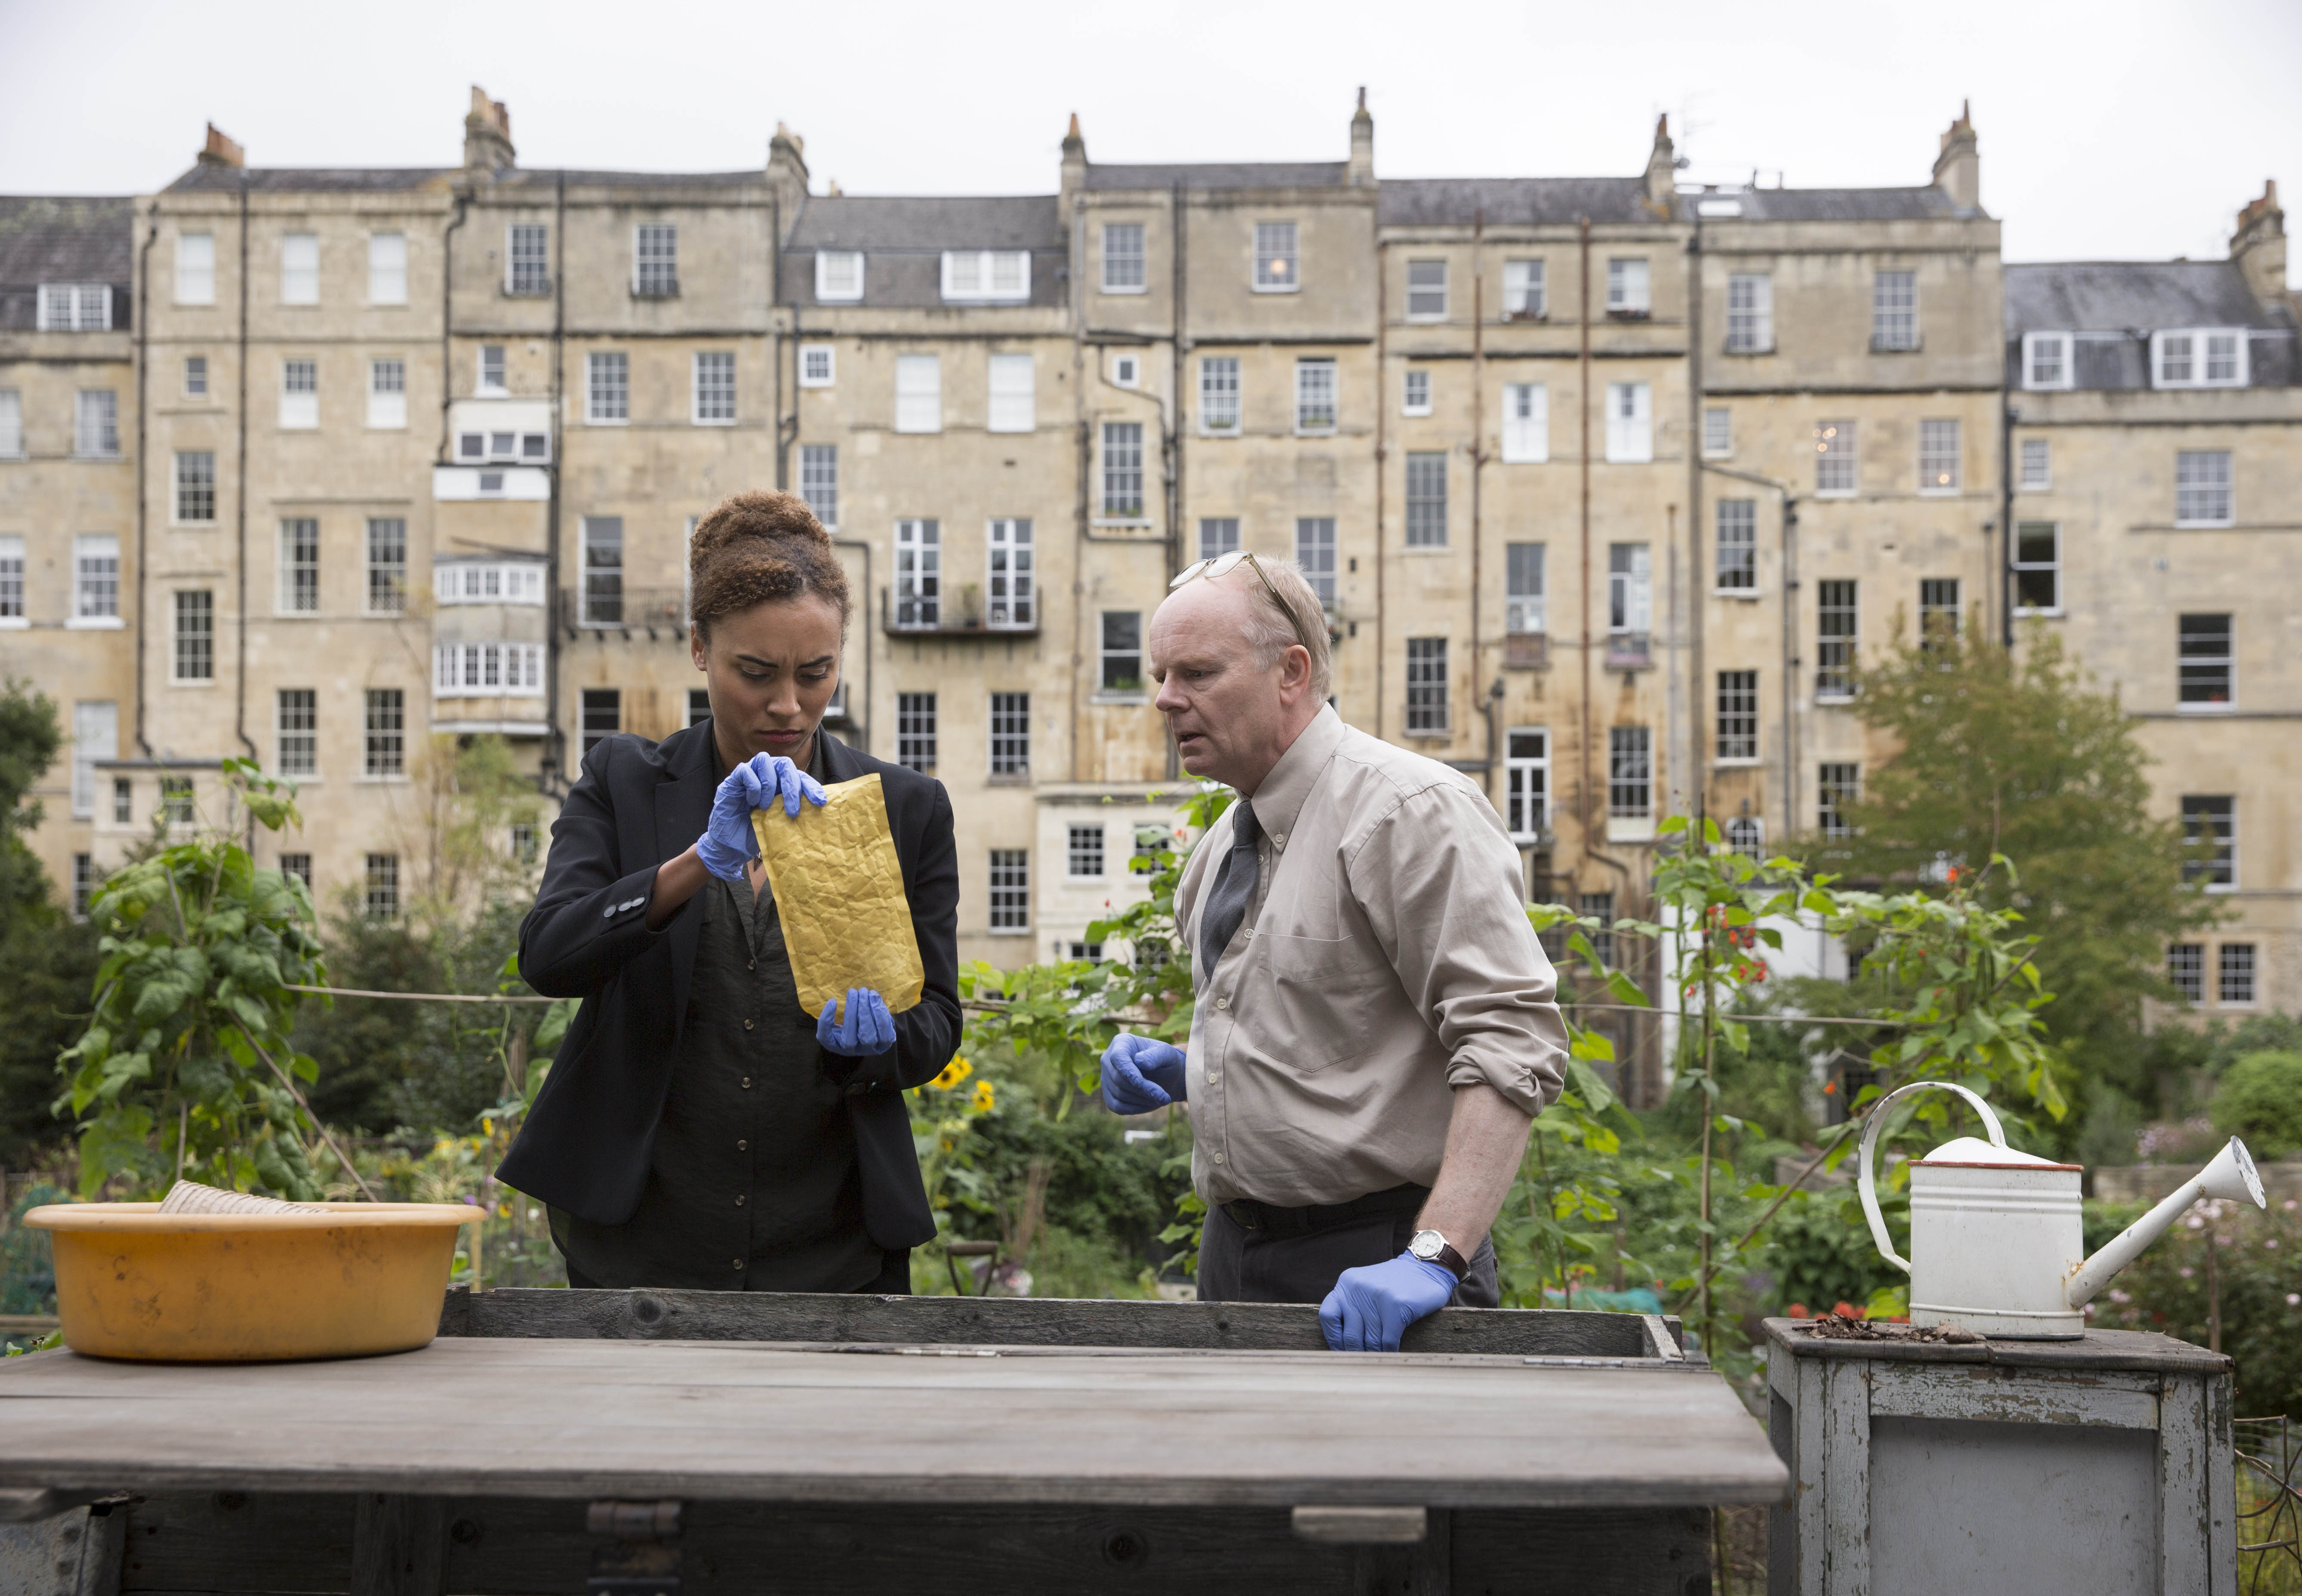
(585, 1145)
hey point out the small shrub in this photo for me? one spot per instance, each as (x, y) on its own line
(2260, 1099)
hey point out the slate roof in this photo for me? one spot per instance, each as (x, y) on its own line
(1506, 201)
(215, 178)
(1233, 174)
(2132, 295)
(1024, 221)
(1838, 205)
(44, 239)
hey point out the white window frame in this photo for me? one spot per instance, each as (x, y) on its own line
(2066, 361)
(1432, 291)
(1105, 654)
(500, 383)
(1430, 688)
(1427, 514)
(2018, 564)
(1525, 424)
(1526, 610)
(387, 268)
(1929, 485)
(1218, 535)
(829, 292)
(176, 488)
(1751, 325)
(487, 582)
(1881, 312)
(1630, 590)
(1142, 258)
(1525, 290)
(2042, 481)
(915, 731)
(387, 393)
(1630, 773)
(2228, 487)
(1308, 366)
(604, 596)
(1526, 785)
(195, 278)
(89, 582)
(11, 424)
(696, 388)
(299, 268)
(1009, 907)
(1074, 847)
(299, 407)
(816, 460)
(1014, 743)
(2197, 345)
(595, 394)
(487, 671)
(1315, 552)
(972, 276)
(1630, 286)
(828, 355)
(96, 736)
(662, 261)
(75, 308)
(1009, 563)
(1212, 370)
(1630, 423)
(178, 636)
(291, 594)
(919, 575)
(2214, 862)
(1836, 438)
(1112, 508)
(13, 618)
(1837, 653)
(306, 735)
(1127, 370)
(1012, 402)
(196, 378)
(514, 258)
(1717, 433)
(1744, 518)
(1744, 711)
(1274, 241)
(95, 426)
(918, 393)
(1415, 396)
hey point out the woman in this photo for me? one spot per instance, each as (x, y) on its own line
(698, 1127)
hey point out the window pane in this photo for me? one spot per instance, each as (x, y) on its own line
(1630, 773)
(819, 481)
(918, 393)
(2202, 487)
(1123, 651)
(603, 571)
(1738, 545)
(1123, 254)
(1937, 456)
(1122, 469)
(1838, 785)
(715, 385)
(387, 565)
(1895, 311)
(1426, 501)
(1426, 684)
(609, 387)
(1524, 603)
(1315, 551)
(915, 730)
(1011, 889)
(1219, 394)
(1011, 734)
(194, 638)
(1835, 618)
(386, 734)
(2203, 654)
(1276, 265)
(1314, 396)
(1834, 465)
(1738, 715)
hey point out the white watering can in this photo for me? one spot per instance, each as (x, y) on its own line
(1996, 1242)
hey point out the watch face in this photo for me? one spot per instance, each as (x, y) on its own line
(1426, 1245)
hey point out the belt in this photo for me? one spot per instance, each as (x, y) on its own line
(1273, 1220)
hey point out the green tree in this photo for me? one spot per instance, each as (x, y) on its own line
(49, 957)
(2015, 754)
(2260, 1098)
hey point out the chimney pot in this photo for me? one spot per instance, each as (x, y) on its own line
(220, 151)
(487, 134)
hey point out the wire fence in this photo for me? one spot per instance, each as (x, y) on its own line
(2269, 1505)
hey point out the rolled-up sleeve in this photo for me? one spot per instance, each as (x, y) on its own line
(1439, 882)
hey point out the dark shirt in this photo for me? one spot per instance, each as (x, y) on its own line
(753, 1183)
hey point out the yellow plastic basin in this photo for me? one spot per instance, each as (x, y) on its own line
(246, 1288)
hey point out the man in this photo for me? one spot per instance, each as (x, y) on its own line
(1374, 1027)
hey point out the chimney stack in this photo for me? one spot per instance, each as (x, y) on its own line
(487, 134)
(2258, 247)
(787, 172)
(1957, 169)
(220, 151)
(1074, 167)
(1362, 168)
(1662, 168)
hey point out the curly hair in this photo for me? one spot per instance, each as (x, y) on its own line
(761, 548)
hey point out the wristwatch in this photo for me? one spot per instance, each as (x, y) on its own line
(1432, 1248)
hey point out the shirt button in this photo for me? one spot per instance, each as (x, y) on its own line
(750, 963)
(739, 1202)
(743, 1146)
(1213, 1077)
(1278, 839)
(747, 1025)
(1222, 1003)
(746, 1083)
(1219, 1158)
(739, 1265)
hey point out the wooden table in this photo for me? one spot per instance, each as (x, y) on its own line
(876, 1460)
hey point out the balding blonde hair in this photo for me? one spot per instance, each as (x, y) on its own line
(1268, 631)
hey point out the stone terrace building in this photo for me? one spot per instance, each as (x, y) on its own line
(1608, 483)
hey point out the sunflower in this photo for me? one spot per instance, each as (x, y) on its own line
(983, 1096)
(953, 1073)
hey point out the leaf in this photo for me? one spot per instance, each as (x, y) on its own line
(1587, 1085)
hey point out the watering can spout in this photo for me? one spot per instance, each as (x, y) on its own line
(2231, 1177)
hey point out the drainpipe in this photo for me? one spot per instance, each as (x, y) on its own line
(1593, 811)
(447, 318)
(1478, 475)
(143, 470)
(1789, 630)
(1382, 422)
(555, 744)
(239, 497)
(1698, 688)
(1077, 309)
(2008, 416)
(1172, 419)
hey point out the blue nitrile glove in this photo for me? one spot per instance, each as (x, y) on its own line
(1139, 1074)
(728, 843)
(867, 1030)
(1371, 1307)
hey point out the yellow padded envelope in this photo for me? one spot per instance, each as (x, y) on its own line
(839, 890)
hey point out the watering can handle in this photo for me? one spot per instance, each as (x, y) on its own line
(1876, 1123)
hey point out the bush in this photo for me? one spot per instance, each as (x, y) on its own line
(2260, 1098)
(2258, 1271)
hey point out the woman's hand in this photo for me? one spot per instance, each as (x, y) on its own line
(867, 1031)
(728, 844)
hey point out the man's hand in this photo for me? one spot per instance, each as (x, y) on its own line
(728, 843)
(866, 1031)
(1371, 1307)
(1139, 1074)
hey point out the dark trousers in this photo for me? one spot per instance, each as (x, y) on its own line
(893, 1279)
(1254, 1252)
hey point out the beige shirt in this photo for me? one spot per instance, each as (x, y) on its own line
(1385, 959)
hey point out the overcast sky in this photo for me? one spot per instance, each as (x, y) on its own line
(2110, 130)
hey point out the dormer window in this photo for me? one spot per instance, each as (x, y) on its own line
(75, 308)
(2047, 361)
(2198, 358)
(978, 275)
(839, 276)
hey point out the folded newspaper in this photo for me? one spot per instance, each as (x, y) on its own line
(189, 1197)
(839, 890)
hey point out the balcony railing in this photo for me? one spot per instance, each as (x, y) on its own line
(1629, 651)
(609, 607)
(962, 615)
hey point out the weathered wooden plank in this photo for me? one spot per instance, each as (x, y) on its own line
(2140, 1351)
(1424, 1568)
(1844, 1456)
(2186, 1516)
(399, 1545)
(2111, 1400)
(736, 1421)
(1018, 1322)
(500, 1547)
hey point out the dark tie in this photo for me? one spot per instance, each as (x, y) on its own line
(1234, 885)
